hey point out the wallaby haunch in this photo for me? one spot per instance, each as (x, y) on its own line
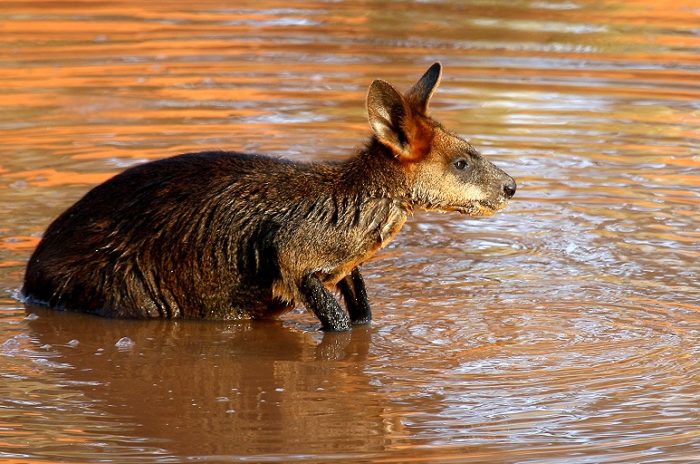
(223, 235)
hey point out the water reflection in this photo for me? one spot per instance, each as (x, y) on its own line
(212, 389)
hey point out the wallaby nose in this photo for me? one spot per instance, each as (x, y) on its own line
(509, 188)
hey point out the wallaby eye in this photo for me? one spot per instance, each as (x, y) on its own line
(461, 164)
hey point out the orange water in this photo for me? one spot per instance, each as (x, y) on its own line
(565, 329)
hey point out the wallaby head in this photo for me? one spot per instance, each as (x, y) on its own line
(443, 171)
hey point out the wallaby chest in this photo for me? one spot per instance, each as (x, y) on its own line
(379, 222)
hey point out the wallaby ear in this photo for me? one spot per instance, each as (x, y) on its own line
(419, 95)
(387, 112)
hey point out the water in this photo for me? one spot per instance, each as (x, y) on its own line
(565, 329)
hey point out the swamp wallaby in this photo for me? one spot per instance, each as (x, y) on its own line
(223, 235)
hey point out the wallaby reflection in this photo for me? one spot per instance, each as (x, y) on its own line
(239, 388)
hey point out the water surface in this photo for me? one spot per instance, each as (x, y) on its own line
(566, 329)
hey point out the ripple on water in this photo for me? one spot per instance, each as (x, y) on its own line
(572, 372)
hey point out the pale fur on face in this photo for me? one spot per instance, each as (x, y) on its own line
(438, 186)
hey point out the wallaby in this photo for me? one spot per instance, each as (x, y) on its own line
(224, 235)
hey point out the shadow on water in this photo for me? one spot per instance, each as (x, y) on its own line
(208, 388)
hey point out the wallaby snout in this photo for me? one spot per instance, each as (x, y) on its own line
(509, 188)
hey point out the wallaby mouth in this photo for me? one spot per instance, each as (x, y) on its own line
(473, 209)
(480, 208)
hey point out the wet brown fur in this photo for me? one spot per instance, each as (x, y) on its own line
(225, 235)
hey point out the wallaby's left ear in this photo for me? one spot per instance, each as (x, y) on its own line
(419, 95)
(389, 117)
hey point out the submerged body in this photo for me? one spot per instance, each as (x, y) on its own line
(226, 235)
